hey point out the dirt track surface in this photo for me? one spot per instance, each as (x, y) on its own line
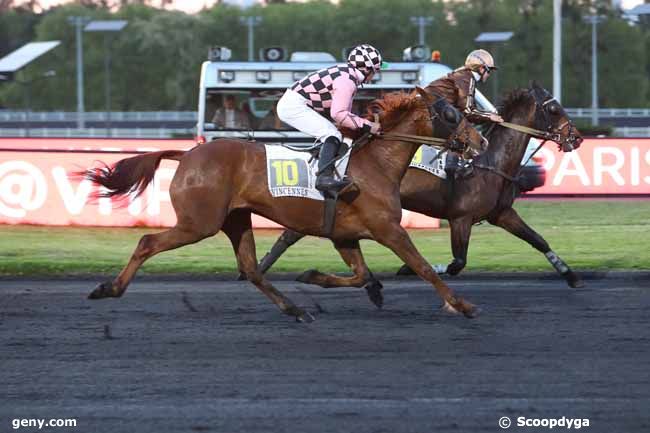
(195, 356)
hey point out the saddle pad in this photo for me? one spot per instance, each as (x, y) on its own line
(425, 159)
(291, 173)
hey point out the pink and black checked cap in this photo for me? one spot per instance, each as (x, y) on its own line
(365, 58)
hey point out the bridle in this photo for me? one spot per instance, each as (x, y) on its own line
(567, 143)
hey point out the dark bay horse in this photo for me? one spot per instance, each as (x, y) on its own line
(217, 185)
(487, 195)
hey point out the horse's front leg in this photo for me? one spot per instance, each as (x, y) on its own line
(393, 236)
(510, 220)
(461, 230)
(286, 239)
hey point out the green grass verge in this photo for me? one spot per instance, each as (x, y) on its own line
(587, 234)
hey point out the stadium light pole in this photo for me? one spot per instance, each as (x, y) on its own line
(557, 49)
(78, 23)
(107, 28)
(497, 39)
(594, 20)
(421, 22)
(250, 22)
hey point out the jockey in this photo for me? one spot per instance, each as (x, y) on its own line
(458, 88)
(323, 99)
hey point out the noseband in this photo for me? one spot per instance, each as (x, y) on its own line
(555, 134)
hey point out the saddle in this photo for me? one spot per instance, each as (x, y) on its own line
(347, 146)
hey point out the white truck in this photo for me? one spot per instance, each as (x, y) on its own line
(254, 88)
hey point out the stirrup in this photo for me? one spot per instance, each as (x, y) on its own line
(334, 187)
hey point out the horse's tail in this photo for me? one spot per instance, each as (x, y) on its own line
(130, 175)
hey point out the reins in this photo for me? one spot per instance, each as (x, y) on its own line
(417, 139)
(537, 133)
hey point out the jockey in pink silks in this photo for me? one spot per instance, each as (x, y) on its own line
(322, 100)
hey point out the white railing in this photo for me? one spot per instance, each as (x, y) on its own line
(632, 131)
(98, 116)
(609, 112)
(96, 132)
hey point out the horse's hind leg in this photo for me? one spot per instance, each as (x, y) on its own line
(510, 220)
(351, 254)
(239, 230)
(149, 246)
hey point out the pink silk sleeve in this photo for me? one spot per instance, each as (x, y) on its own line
(343, 90)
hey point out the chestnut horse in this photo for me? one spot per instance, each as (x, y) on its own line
(219, 184)
(487, 195)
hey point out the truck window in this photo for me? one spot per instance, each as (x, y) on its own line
(255, 109)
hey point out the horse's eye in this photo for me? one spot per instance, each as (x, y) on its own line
(554, 109)
(450, 116)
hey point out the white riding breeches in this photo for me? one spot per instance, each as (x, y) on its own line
(293, 110)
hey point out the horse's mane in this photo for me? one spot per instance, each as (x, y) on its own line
(391, 110)
(512, 101)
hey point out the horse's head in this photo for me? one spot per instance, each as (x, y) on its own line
(551, 117)
(448, 123)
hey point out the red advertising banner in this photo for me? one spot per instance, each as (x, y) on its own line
(35, 187)
(599, 166)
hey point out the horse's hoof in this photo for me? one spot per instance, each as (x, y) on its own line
(405, 271)
(574, 281)
(373, 289)
(305, 317)
(440, 268)
(103, 290)
(299, 314)
(468, 309)
(472, 312)
(447, 308)
(307, 276)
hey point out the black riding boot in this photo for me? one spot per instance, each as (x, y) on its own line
(451, 165)
(325, 181)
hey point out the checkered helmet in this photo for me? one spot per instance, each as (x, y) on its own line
(365, 58)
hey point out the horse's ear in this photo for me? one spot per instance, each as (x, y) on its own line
(428, 98)
(534, 84)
